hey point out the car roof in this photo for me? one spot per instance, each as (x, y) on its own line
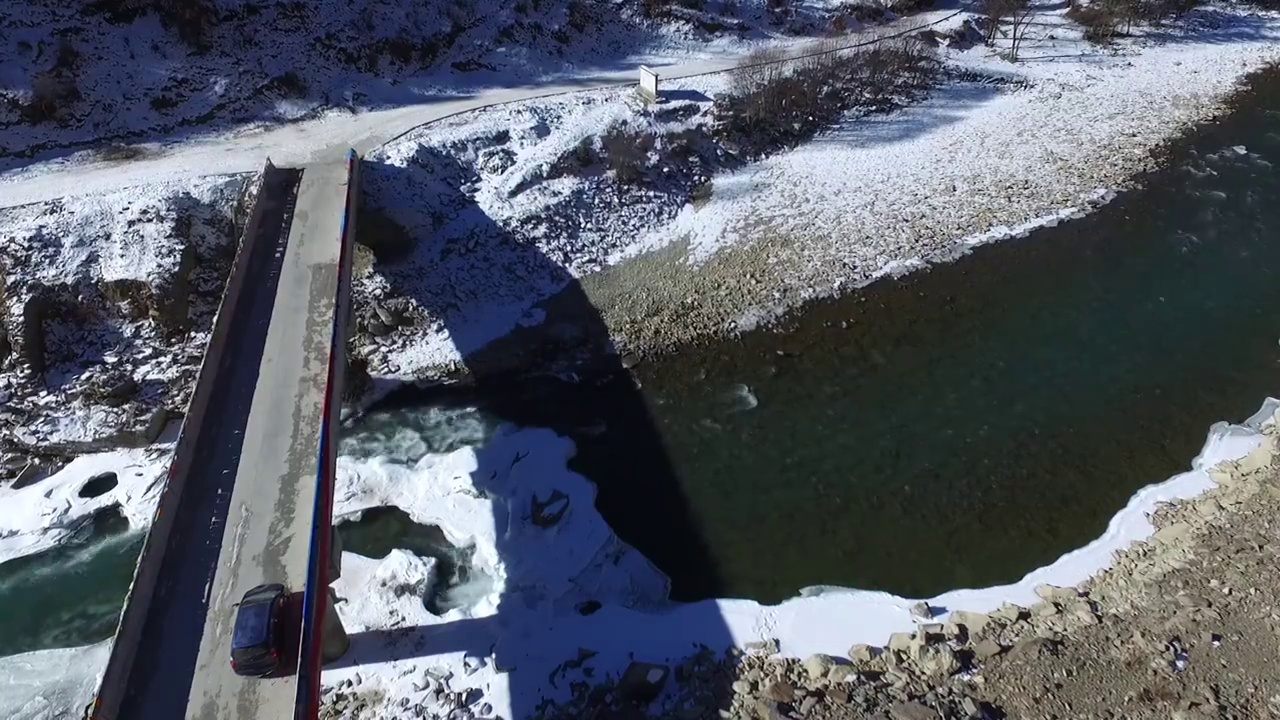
(253, 625)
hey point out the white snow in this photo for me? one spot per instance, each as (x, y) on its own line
(51, 684)
(973, 163)
(42, 515)
(114, 235)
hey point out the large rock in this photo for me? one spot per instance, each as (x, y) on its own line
(780, 691)
(1034, 647)
(987, 649)
(642, 682)
(1053, 593)
(818, 666)
(170, 296)
(938, 661)
(863, 653)
(974, 622)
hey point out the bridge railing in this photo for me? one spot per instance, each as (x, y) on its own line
(115, 679)
(316, 593)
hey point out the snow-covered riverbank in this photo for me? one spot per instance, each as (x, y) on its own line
(996, 151)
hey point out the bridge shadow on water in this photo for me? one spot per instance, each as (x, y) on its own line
(518, 379)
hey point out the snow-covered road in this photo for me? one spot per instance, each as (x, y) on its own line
(292, 145)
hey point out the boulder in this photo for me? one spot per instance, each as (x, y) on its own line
(900, 641)
(1054, 593)
(973, 622)
(817, 666)
(987, 649)
(780, 691)
(1008, 613)
(862, 653)
(938, 661)
(1033, 647)
(386, 315)
(642, 682)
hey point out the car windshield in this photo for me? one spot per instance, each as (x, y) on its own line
(251, 624)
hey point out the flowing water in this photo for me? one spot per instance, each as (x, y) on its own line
(70, 595)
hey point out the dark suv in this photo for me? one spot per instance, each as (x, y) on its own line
(255, 640)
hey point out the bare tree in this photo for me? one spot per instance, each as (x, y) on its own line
(1019, 22)
(1011, 16)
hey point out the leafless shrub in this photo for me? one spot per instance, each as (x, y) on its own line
(776, 102)
(1103, 20)
(1010, 18)
(627, 153)
(1100, 21)
(191, 20)
(56, 88)
(995, 13)
(1019, 22)
(119, 152)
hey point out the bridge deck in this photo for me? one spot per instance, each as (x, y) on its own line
(255, 478)
(268, 525)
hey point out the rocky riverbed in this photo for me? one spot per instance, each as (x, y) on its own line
(1182, 626)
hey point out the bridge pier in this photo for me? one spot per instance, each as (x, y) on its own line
(334, 640)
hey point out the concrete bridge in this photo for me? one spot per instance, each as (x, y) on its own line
(249, 498)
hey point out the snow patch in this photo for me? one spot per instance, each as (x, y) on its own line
(45, 514)
(51, 684)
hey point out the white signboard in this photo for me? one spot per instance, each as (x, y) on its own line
(648, 83)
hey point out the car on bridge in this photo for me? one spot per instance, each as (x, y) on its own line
(256, 636)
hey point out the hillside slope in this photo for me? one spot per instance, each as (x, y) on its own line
(93, 71)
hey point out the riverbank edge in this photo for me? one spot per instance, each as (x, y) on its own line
(657, 304)
(1011, 660)
(638, 335)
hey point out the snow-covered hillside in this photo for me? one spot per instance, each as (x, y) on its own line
(87, 72)
(106, 303)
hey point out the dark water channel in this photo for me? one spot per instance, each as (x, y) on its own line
(961, 426)
(69, 595)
